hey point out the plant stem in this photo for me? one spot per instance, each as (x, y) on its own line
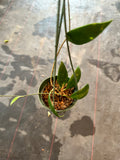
(30, 95)
(69, 48)
(57, 28)
(22, 95)
(57, 38)
(69, 15)
(59, 35)
(56, 47)
(54, 62)
(60, 23)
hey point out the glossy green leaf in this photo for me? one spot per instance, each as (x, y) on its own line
(52, 107)
(80, 93)
(62, 77)
(71, 82)
(86, 33)
(15, 99)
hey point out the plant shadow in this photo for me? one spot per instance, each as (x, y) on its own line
(82, 127)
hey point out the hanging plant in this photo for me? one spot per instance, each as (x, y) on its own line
(59, 92)
(65, 94)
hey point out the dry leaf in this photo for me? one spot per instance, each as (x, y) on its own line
(6, 41)
(49, 114)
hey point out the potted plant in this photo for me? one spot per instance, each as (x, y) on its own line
(66, 92)
(59, 92)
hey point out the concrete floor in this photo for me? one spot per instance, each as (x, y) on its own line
(26, 131)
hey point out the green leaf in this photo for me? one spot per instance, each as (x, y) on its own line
(15, 99)
(62, 77)
(81, 93)
(52, 107)
(86, 33)
(71, 82)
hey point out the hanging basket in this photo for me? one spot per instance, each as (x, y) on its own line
(41, 89)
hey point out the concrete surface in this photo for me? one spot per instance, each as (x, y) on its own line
(26, 132)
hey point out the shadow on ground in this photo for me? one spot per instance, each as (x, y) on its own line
(46, 27)
(111, 70)
(83, 127)
(22, 66)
